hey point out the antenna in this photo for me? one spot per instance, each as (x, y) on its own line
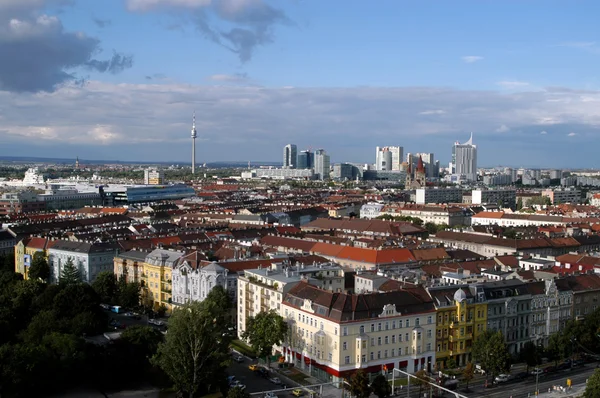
(194, 143)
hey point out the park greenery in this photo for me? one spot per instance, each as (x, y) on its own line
(265, 330)
(491, 352)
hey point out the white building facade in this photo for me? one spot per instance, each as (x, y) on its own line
(89, 259)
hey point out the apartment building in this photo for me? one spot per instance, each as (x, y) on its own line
(439, 215)
(7, 243)
(425, 196)
(460, 319)
(551, 302)
(262, 289)
(506, 197)
(332, 335)
(89, 259)
(563, 195)
(25, 249)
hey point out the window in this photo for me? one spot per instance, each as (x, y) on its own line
(417, 321)
(406, 338)
(335, 331)
(429, 320)
(408, 323)
(400, 324)
(379, 327)
(400, 351)
(387, 326)
(386, 340)
(344, 330)
(393, 339)
(400, 338)
(345, 346)
(321, 327)
(372, 355)
(378, 340)
(372, 327)
(429, 334)
(428, 347)
(385, 353)
(362, 329)
(363, 357)
(393, 324)
(372, 341)
(347, 360)
(378, 354)
(330, 357)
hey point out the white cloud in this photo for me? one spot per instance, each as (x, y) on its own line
(571, 134)
(502, 129)
(433, 112)
(578, 44)
(469, 59)
(236, 78)
(543, 132)
(146, 5)
(512, 84)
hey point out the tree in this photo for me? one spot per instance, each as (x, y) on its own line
(195, 349)
(468, 373)
(431, 228)
(237, 392)
(530, 354)
(264, 331)
(519, 203)
(592, 388)
(39, 268)
(556, 348)
(451, 363)
(381, 387)
(359, 385)
(105, 285)
(421, 379)
(491, 352)
(70, 274)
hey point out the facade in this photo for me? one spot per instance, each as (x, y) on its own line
(290, 156)
(333, 335)
(431, 170)
(397, 156)
(158, 267)
(306, 159)
(121, 196)
(508, 197)
(464, 159)
(551, 302)
(418, 179)
(306, 174)
(460, 319)
(371, 210)
(20, 202)
(193, 283)
(154, 177)
(321, 164)
(346, 172)
(438, 195)
(62, 198)
(89, 259)
(25, 249)
(7, 243)
(564, 195)
(439, 215)
(383, 158)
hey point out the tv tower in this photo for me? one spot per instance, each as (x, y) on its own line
(194, 143)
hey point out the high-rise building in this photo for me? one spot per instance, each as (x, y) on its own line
(397, 156)
(430, 164)
(306, 159)
(290, 156)
(322, 164)
(383, 158)
(153, 177)
(465, 159)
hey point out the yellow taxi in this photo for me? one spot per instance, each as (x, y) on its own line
(297, 392)
(253, 367)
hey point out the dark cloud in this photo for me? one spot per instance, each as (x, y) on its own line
(39, 54)
(101, 23)
(240, 26)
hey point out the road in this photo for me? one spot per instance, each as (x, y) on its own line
(254, 382)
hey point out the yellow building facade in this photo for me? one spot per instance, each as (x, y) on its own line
(153, 271)
(25, 250)
(460, 319)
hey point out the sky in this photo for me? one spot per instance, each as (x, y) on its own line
(120, 79)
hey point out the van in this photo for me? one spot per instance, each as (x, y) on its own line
(116, 309)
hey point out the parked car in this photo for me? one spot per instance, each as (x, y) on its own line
(105, 306)
(238, 358)
(550, 369)
(263, 372)
(537, 372)
(237, 384)
(479, 369)
(578, 363)
(564, 366)
(521, 376)
(502, 378)
(156, 322)
(230, 379)
(270, 395)
(298, 392)
(253, 367)
(275, 380)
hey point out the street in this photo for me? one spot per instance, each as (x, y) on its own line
(254, 382)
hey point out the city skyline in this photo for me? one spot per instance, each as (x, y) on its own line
(293, 76)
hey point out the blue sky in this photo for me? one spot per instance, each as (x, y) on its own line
(119, 79)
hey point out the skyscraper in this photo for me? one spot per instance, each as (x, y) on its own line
(306, 159)
(465, 159)
(383, 158)
(430, 165)
(194, 143)
(322, 164)
(290, 156)
(397, 156)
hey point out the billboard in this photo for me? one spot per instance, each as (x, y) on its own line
(27, 260)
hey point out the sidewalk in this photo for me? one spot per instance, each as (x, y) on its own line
(575, 391)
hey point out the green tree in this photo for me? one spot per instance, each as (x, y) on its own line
(105, 285)
(381, 387)
(431, 228)
(237, 392)
(530, 354)
(70, 273)
(39, 268)
(519, 203)
(264, 331)
(359, 385)
(195, 349)
(128, 294)
(556, 348)
(451, 363)
(592, 388)
(468, 373)
(491, 352)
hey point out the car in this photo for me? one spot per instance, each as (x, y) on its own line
(270, 395)
(550, 369)
(105, 306)
(563, 366)
(230, 379)
(502, 378)
(537, 372)
(479, 369)
(237, 384)
(253, 367)
(297, 392)
(275, 380)
(238, 358)
(578, 363)
(156, 322)
(263, 372)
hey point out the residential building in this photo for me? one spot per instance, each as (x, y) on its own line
(25, 249)
(563, 195)
(262, 289)
(333, 335)
(20, 202)
(438, 195)
(130, 265)
(322, 164)
(154, 177)
(305, 174)
(586, 293)
(89, 259)
(551, 303)
(157, 286)
(505, 197)
(460, 319)
(439, 215)
(290, 156)
(397, 156)
(464, 159)
(63, 197)
(7, 243)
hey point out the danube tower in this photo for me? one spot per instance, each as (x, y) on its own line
(194, 143)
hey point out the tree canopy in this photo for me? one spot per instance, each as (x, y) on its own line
(381, 387)
(39, 268)
(359, 385)
(70, 273)
(491, 352)
(592, 388)
(264, 331)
